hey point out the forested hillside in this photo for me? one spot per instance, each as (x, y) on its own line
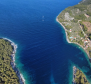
(7, 74)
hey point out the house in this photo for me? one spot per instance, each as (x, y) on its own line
(70, 30)
(74, 37)
(86, 41)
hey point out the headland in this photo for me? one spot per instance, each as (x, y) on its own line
(17, 77)
(76, 21)
(79, 77)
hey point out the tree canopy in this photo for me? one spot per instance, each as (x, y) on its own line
(7, 74)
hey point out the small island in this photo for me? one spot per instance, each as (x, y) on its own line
(76, 20)
(9, 74)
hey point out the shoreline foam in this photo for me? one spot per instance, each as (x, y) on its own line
(20, 76)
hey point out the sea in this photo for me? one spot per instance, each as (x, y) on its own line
(43, 55)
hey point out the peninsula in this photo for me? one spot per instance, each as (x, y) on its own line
(9, 74)
(76, 20)
(79, 77)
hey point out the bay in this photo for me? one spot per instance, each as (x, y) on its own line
(43, 55)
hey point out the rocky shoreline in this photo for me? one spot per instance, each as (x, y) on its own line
(74, 72)
(20, 76)
(79, 77)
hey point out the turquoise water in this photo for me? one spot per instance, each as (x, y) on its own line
(43, 55)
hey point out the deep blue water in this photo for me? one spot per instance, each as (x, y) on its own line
(43, 55)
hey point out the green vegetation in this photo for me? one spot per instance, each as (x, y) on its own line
(81, 34)
(7, 74)
(89, 36)
(68, 27)
(80, 77)
(68, 33)
(90, 21)
(81, 7)
(80, 17)
(87, 2)
(75, 20)
(88, 13)
(80, 42)
(69, 11)
(83, 26)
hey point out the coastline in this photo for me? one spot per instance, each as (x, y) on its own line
(20, 76)
(74, 72)
(73, 81)
(81, 74)
(74, 67)
(68, 39)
